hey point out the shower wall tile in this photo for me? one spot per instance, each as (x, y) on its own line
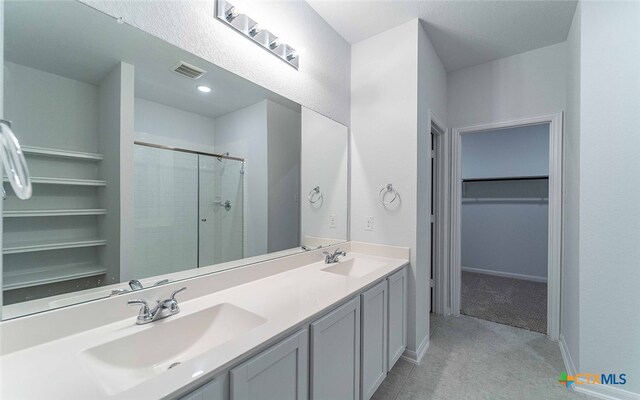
(166, 212)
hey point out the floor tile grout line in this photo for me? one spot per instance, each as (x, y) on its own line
(402, 384)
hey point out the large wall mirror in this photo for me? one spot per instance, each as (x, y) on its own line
(150, 164)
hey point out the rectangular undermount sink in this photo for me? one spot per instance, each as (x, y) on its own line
(356, 267)
(125, 362)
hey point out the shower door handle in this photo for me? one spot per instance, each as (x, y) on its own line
(203, 220)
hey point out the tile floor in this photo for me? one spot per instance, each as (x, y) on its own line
(470, 359)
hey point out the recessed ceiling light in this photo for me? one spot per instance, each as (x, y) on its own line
(204, 89)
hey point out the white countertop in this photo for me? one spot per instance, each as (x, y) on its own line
(286, 300)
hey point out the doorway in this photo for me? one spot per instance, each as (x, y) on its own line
(487, 214)
(504, 218)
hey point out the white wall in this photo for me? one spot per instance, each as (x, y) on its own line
(506, 237)
(524, 85)
(68, 109)
(1, 116)
(510, 152)
(322, 81)
(387, 117)
(115, 138)
(570, 299)
(432, 99)
(161, 124)
(283, 148)
(609, 193)
(243, 133)
(324, 163)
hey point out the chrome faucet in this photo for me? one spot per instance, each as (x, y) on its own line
(135, 284)
(333, 258)
(163, 308)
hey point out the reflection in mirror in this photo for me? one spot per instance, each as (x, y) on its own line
(149, 164)
(324, 189)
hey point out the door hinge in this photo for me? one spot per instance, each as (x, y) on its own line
(432, 283)
(432, 218)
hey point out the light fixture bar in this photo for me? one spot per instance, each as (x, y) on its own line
(230, 15)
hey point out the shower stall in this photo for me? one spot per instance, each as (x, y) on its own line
(189, 210)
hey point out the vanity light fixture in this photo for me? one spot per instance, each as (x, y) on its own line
(229, 14)
(204, 89)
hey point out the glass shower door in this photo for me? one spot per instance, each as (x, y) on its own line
(165, 209)
(221, 213)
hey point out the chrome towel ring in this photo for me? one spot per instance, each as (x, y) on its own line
(387, 189)
(314, 195)
(14, 163)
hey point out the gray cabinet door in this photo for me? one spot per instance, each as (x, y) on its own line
(335, 354)
(397, 315)
(215, 389)
(374, 339)
(279, 373)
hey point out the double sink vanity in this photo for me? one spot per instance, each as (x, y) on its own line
(187, 231)
(297, 327)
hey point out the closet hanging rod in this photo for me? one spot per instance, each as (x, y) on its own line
(163, 147)
(513, 178)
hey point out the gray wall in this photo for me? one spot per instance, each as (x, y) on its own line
(505, 224)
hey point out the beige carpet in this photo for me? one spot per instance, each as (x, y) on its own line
(508, 301)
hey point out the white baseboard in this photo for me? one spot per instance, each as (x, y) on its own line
(505, 274)
(566, 357)
(415, 357)
(600, 391)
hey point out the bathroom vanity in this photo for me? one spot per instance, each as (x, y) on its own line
(292, 328)
(155, 170)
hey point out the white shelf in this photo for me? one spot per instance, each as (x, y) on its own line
(65, 181)
(32, 247)
(53, 213)
(76, 155)
(50, 274)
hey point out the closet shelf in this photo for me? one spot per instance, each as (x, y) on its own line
(49, 274)
(506, 178)
(46, 246)
(76, 155)
(65, 181)
(53, 213)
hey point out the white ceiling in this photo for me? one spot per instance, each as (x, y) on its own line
(464, 33)
(70, 39)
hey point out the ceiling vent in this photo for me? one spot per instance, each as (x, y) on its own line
(188, 70)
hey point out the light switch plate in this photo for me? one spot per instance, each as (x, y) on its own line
(368, 225)
(332, 220)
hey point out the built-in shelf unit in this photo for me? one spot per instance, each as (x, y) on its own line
(24, 224)
(57, 241)
(30, 277)
(77, 155)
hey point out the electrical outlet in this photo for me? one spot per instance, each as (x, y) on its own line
(368, 225)
(332, 220)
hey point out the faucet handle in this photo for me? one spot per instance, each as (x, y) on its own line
(144, 310)
(173, 295)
